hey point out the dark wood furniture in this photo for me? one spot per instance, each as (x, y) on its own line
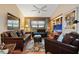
(41, 32)
(10, 37)
(37, 38)
(70, 44)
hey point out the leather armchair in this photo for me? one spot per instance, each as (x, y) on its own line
(69, 45)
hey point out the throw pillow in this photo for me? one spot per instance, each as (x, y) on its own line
(12, 35)
(60, 38)
(6, 35)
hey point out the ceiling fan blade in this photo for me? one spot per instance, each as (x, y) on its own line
(35, 6)
(44, 7)
(44, 10)
(34, 10)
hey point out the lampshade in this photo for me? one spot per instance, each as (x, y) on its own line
(26, 25)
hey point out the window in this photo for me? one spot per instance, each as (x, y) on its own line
(9, 23)
(13, 22)
(41, 24)
(37, 24)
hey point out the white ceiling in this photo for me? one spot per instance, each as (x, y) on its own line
(26, 10)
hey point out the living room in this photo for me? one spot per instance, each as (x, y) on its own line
(39, 28)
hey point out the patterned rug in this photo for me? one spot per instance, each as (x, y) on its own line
(35, 48)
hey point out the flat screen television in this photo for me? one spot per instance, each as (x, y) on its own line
(13, 22)
(58, 28)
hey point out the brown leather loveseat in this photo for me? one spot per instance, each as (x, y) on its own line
(10, 37)
(69, 44)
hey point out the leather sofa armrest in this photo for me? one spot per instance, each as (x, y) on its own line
(13, 38)
(8, 40)
(66, 47)
(63, 44)
(62, 47)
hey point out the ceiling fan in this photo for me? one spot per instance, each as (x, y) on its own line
(39, 10)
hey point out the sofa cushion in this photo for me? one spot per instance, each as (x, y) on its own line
(60, 38)
(50, 37)
(22, 32)
(76, 42)
(68, 39)
(18, 34)
(13, 34)
(6, 35)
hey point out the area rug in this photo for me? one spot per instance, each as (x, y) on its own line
(35, 48)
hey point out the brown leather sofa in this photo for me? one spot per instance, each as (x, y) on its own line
(10, 37)
(53, 36)
(69, 44)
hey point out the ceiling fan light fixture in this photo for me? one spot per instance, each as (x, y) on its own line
(39, 10)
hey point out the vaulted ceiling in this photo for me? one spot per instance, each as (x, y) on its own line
(37, 10)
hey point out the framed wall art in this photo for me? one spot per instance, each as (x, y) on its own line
(69, 18)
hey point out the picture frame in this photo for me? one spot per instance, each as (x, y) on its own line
(69, 18)
(13, 22)
(57, 26)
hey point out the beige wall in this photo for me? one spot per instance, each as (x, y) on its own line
(27, 22)
(4, 9)
(64, 9)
